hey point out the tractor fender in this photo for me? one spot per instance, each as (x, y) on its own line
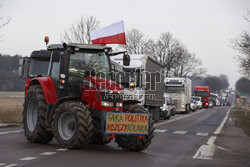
(49, 89)
(50, 113)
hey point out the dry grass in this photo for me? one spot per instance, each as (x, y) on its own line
(242, 115)
(11, 109)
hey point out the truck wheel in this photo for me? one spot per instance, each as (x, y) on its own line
(173, 112)
(34, 112)
(132, 142)
(187, 109)
(99, 137)
(72, 125)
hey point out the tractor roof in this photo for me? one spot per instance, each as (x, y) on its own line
(80, 46)
(41, 54)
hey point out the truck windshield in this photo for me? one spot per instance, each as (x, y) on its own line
(201, 93)
(129, 77)
(175, 89)
(196, 98)
(93, 63)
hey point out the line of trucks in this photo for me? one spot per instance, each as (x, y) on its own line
(70, 88)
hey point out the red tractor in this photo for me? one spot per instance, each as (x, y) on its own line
(66, 97)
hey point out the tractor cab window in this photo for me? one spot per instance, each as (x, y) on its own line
(96, 63)
(38, 67)
(55, 70)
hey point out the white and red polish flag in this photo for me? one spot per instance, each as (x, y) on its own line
(112, 34)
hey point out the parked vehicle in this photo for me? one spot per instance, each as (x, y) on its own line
(180, 91)
(168, 108)
(67, 97)
(203, 92)
(211, 104)
(198, 101)
(193, 105)
(213, 98)
(142, 81)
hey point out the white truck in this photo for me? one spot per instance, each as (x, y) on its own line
(143, 81)
(180, 91)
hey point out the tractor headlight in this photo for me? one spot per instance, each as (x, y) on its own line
(119, 104)
(105, 90)
(107, 104)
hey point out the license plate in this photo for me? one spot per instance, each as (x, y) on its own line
(127, 123)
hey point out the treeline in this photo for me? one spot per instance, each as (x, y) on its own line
(9, 79)
(243, 85)
(215, 83)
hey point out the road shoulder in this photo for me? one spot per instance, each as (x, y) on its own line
(233, 143)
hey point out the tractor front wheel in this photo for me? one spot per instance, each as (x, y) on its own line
(72, 125)
(134, 142)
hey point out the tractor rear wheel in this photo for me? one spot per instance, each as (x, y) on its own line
(133, 142)
(72, 125)
(34, 112)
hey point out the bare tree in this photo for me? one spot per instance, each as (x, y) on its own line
(3, 21)
(242, 44)
(79, 32)
(187, 65)
(242, 85)
(168, 50)
(138, 43)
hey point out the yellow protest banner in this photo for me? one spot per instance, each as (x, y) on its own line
(127, 123)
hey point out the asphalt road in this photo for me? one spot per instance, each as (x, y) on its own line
(177, 142)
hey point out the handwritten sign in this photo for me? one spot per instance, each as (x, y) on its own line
(127, 123)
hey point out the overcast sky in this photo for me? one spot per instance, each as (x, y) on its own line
(206, 27)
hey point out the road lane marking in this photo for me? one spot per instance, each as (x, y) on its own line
(16, 131)
(48, 153)
(1, 164)
(11, 165)
(28, 158)
(204, 152)
(211, 140)
(160, 130)
(176, 119)
(61, 149)
(218, 130)
(207, 151)
(201, 134)
(3, 133)
(180, 132)
(8, 132)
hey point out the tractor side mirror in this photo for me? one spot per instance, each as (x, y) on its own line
(22, 69)
(56, 56)
(126, 59)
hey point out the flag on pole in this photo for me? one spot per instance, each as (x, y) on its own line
(112, 34)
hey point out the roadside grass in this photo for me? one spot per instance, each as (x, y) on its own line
(11, 109)
(242, 115)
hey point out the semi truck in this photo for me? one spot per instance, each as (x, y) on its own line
(203, 92)
(180, 91)
(67, 94)
(143, 81)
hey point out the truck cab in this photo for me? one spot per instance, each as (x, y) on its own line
(180, 90)
(203, 92)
